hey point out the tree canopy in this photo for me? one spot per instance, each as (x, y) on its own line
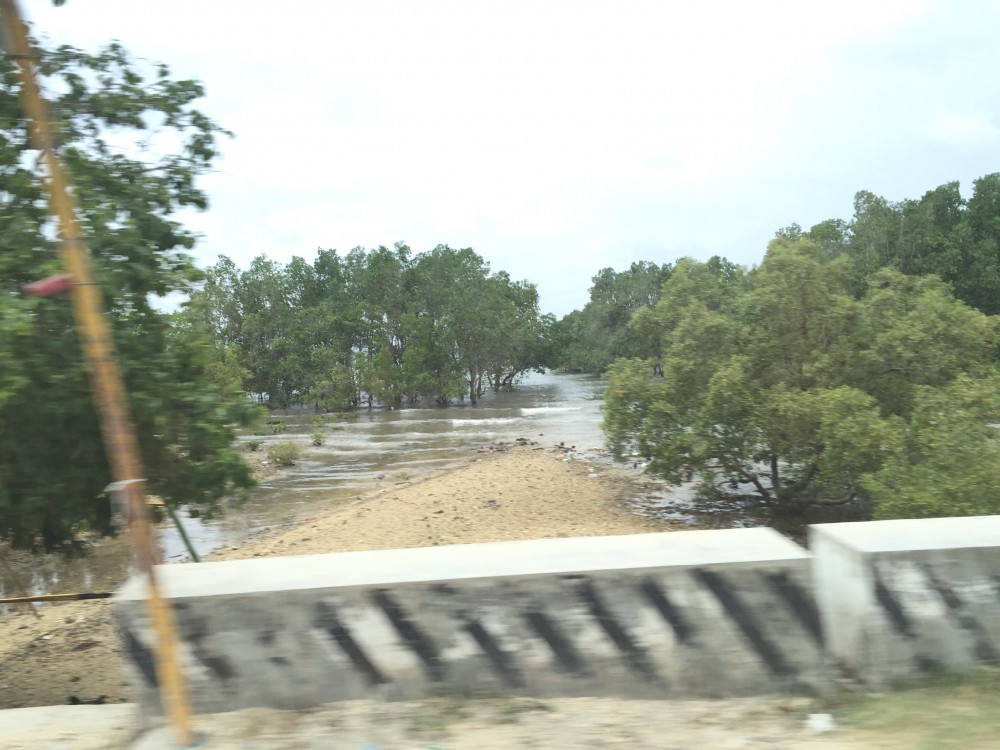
(109, 112)
(589, 340)
(940, 233)
(782, 381)
(386, 323)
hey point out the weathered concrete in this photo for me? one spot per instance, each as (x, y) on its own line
(899, 597)
(682, 614)
(70, 727)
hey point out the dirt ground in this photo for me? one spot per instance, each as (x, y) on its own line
(562, 724)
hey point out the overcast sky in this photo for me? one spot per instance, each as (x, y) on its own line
(558, 138)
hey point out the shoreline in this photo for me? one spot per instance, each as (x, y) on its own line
(500, 492)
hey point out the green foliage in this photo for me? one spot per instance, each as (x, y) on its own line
(336, 391)
(285, 453)
(383, 323)
(948, 462)
(783, 380)
(253, 445)
(589, 340)
(52, 464)
(942, 233)
(276, 425)
(318, 438)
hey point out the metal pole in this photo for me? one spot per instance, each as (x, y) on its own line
(110, 398)
(192, 550)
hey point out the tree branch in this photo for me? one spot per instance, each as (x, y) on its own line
(851, 497)
(755, 480)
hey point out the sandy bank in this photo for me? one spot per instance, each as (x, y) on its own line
(518, 493)
(521, 492)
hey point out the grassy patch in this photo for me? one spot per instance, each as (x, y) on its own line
(941, 712)
(511, 711)
(432, 718)
(276, 425)
(284, 454)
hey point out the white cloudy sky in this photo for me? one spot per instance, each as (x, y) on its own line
(557, 138)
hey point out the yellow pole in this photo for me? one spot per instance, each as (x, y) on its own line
(117, 430)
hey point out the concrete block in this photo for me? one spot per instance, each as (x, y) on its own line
(902, 597)
(70, 727)
(682, 614)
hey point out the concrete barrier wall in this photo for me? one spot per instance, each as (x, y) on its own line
(901, 597)
(683, 614)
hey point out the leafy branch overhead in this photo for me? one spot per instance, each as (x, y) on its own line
(135, 146)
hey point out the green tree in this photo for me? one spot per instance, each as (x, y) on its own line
(874, 234)
(52, 465)
(784, 381)
(380, 286)
(948, 462)
(523, 345)
(397, 327)
(477, 331)
(589, 340)
(977, 281)
(940, 234)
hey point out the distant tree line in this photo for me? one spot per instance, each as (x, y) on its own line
(942, 233)
(378, 326)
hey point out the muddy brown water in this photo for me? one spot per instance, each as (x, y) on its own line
(378, 446)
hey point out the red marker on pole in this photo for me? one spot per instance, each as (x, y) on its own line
(49, 286)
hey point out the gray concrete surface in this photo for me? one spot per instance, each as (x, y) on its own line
(70, 727)
(681, 614)
(464, 561)
(902, 597)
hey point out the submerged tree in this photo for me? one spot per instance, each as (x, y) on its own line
(396, 326)
(783, 380)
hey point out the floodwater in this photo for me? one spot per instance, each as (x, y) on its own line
(378, 445)
(384, 446)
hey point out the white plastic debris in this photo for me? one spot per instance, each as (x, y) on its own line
(820, 723)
